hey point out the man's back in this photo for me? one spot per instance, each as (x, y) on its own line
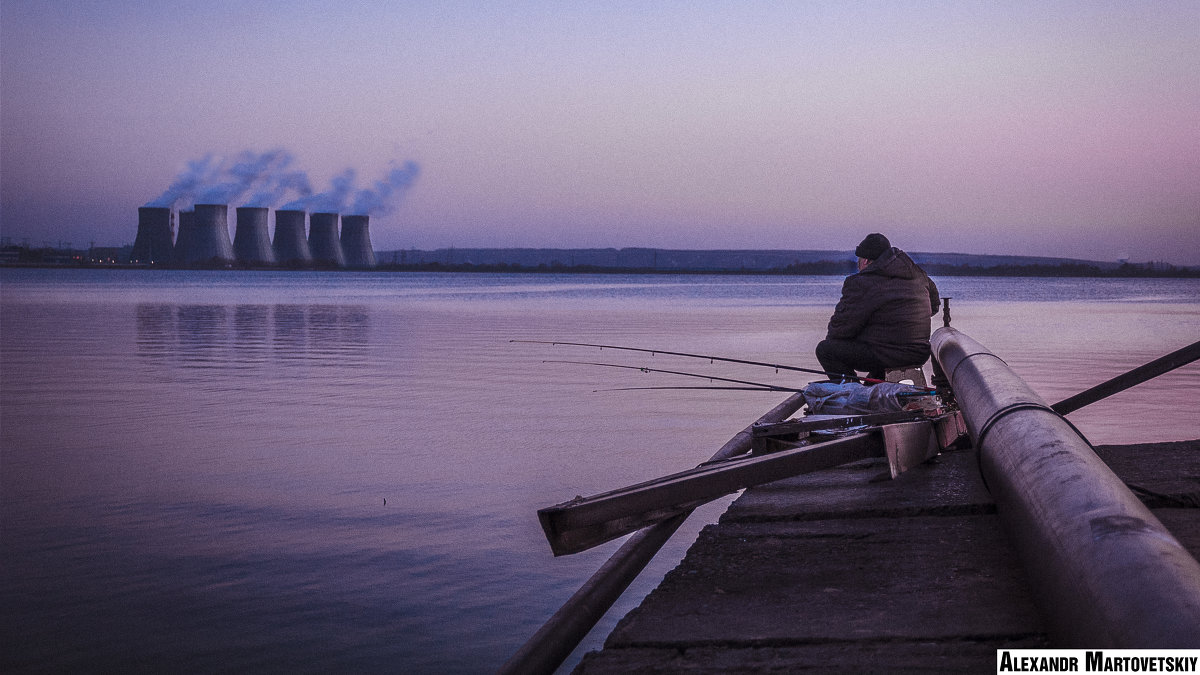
(887, 306)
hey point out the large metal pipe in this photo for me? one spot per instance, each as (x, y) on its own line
(558, 637)
(252, 239)
(1105, 571)
(291, 244)
(209, 241)
(323, 240)
(356, 242)
(155, 242)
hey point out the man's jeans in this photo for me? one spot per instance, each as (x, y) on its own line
(845, 357)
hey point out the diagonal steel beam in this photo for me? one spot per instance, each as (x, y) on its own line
(1164, 364)
(584, 522)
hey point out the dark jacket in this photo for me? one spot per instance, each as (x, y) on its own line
(887, 306)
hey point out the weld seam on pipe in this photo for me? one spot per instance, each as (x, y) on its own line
(1009, 409)
(967, 358)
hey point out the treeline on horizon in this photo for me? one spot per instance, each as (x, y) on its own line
(820, 268)
(117, 257)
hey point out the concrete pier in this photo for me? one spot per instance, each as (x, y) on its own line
(843, 570)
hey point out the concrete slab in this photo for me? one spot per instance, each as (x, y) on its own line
(859, 656)
(913, 579)
(1167, 468)
(843, 571)
(948, 484)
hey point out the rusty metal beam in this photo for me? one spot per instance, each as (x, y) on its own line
(1105, 571)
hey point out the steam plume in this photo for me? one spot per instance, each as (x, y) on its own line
(195, 174)
(246, 172)
(386, 193)
(331, 201)
(267, 177)
(211, 180)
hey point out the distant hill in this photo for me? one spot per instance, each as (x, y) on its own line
(666, 260)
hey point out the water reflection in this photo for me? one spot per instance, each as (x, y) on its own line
(251, 328)
(156, 330)
(203, 333)
(337, 330)
(251, 335)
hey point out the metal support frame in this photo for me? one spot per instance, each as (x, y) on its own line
(1105, 571)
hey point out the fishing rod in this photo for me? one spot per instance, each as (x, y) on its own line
(900, 394)
(711, 378)
(712, 388)
(711, 359)
(750, 386)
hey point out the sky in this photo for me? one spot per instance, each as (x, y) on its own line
(1067, 129)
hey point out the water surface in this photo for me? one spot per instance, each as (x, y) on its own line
(315, 472)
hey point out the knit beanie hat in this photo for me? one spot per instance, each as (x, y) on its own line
(873, 246)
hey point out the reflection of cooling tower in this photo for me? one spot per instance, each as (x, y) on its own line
(252, 241)
(209, 241)
(187, 233)
(356, 242)
(323, 240)
(155, 236)
(291, 248)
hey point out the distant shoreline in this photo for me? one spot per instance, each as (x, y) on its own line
(758, 262)
(1066, 270)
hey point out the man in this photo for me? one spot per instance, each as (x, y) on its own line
(882, 319)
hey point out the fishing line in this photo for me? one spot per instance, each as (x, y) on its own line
(711, 378)
(710, 358)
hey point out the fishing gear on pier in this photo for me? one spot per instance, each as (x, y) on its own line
(711, 359)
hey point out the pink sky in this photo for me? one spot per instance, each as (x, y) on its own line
(1065, 129)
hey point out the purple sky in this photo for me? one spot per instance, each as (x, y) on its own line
(1046, 128)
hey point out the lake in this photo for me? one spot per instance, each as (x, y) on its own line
(339, 472)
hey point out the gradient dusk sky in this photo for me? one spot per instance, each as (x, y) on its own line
(1043, 128)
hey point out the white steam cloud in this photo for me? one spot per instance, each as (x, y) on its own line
(269, 177)
(385, 195)
(329, 201)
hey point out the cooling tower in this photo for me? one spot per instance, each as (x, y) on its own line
(155, 243)
(252, 239)
(323, 240)
(187, 232)
(291, 248)
(209, 241)
(356, 242)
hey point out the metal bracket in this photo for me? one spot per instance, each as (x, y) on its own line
(908, 444)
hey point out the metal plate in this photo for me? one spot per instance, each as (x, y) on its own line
(908, 444)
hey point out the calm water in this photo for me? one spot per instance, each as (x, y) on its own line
(339, 472)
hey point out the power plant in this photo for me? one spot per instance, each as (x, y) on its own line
(252, 241)
(306, 228)
(206, 241)
(187, 233)
(323, 240)
(291, 245)
(155, 243)
(203, 238)
(356, 242)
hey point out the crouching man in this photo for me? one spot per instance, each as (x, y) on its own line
(882, 318)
